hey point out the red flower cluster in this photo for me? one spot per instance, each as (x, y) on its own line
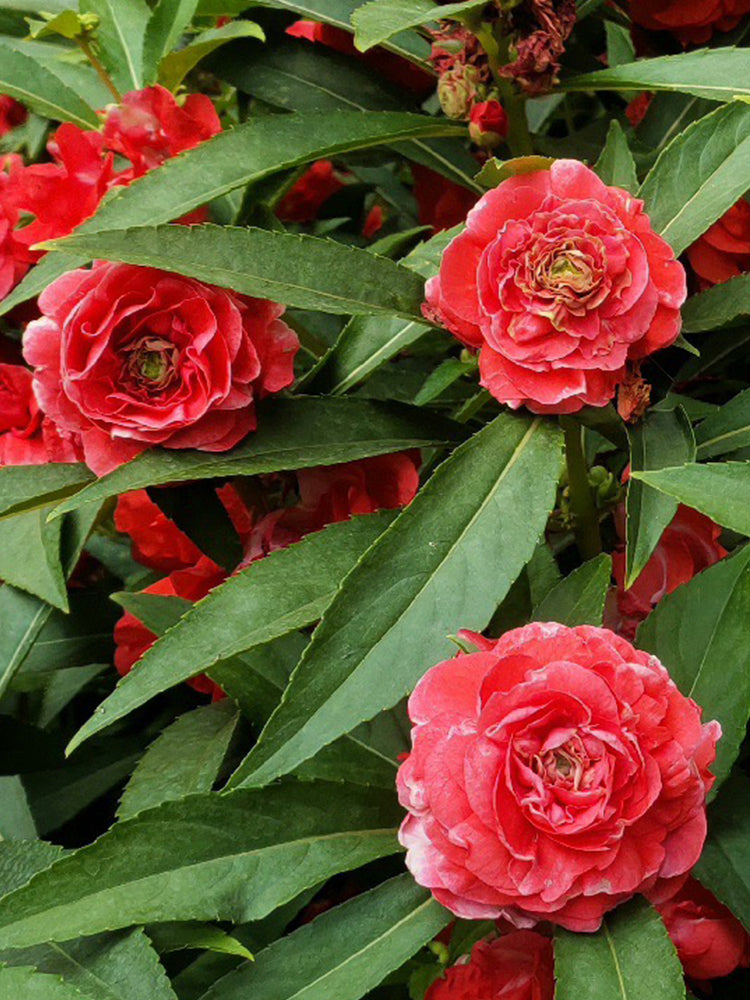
(326, 494)
(553, 774)
(516, 966)
(723, 251)
(558, 280)
(46, 201)
(308, 195)
(128, 357)
(710, 941)
(441, 203)
(691, 23)
(687, 546)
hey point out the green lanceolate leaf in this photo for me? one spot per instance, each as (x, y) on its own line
(119, 36)
(119, 966)
(439, 567)
(716, 74)
(248, 153)
(408, 44)
(699, 632)
(579, 598)
(286, 590)
(42, 89)
(292, 434)
(232, 160)
(379, 20)
(717, 306)
(297, 270)
(345, 952)
(724, 865)
(30, 487)
(305, 78)
(631, 953)
(700, 175)
(725, 430)
(616, 164)
(185, 759)
(30, 556)
(176, 65)
(168, 21)
(367, 342)
(719, 489)
(231, 857)
(23, 616)
(664, 438)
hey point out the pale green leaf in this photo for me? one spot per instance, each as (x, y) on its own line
(30, 487)
(119, 37)
(168, 21)
(379, 20)
(175, 66)
(30, 556)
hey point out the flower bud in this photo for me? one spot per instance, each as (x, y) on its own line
(457, 90)
(488, 125)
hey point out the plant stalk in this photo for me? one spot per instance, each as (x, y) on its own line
(585, 515)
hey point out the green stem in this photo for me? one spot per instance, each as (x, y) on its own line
(100, 70)
(519, 137)
(586, 518)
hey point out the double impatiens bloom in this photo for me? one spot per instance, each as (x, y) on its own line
(558, 281)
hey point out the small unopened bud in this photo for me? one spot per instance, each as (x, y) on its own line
(457, 90)
(488, 125)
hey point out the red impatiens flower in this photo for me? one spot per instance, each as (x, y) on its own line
(516, 966)
(710, 941)
(12, 114)
(128, 357)
(723, 251)
(308, 195)
(15, 258)
(156, 541)
(150, 126)
(558, 280)
(688, 545)
(441, 203)
(553, 774)
(691, 23)
(61, 194)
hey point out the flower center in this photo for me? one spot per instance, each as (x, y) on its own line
(151, 363)
(567, 766)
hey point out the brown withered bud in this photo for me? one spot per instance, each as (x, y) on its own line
(538, 31)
